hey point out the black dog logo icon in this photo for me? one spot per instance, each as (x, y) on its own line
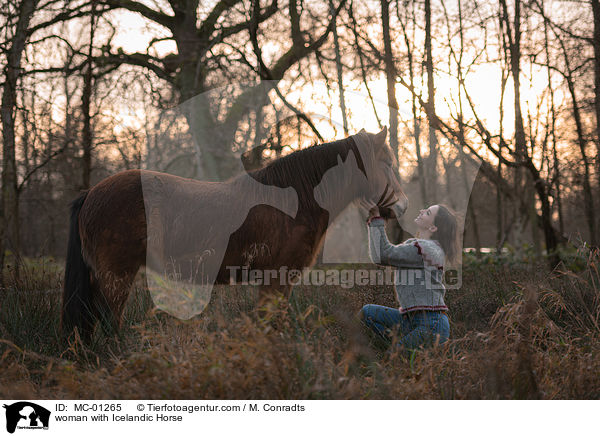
(26, 415)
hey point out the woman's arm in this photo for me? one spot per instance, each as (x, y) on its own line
(384, 253)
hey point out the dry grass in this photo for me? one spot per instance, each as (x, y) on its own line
(517, 332)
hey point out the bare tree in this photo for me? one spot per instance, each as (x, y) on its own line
(9, 219)
(414, 106)
(432, 159)
(189, 69)
(86, 99)
(596, 44)
(390, 74)
(339, 68)
(569, 75)
(20, 29)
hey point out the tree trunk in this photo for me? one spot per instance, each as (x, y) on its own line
(557, 187)
(500, 236)
(390, 73)
(471, 207)
(363, 70)
(515, 64)
(415, 111)
(549, 233)
(523, 180)
(588, 201)
(339, 69)
(431, 167)
(86, 99)
(596, 43)
(556, 177)
(9, 218)
(501, 218)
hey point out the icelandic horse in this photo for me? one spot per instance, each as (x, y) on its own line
(113, 224)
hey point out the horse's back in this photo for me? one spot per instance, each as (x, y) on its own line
(113, 219)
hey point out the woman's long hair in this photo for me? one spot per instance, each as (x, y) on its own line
(446, 221)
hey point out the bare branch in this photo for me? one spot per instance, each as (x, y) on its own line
(161, 18)
(137, 59)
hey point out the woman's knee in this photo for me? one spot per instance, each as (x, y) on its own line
(367, 312)
(424, 336)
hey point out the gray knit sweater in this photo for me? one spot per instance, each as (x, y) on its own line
(420, 264)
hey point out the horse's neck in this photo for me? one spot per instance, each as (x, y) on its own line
(340, 185)
(339, 197)
(250, 193)
(331, 177)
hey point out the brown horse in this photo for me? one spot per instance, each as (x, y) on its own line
(140, 217)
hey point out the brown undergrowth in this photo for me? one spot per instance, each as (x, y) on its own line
(517, 333)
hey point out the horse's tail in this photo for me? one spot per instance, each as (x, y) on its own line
(77, 298)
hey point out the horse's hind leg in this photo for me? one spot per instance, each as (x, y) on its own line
(116, 267)
(111, 293)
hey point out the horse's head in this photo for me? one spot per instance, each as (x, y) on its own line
(383, 176)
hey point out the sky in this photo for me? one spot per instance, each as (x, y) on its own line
(134, 34)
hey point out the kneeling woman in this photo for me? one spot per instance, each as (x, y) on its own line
(421, 319)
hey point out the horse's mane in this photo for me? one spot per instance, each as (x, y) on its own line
(303, 169)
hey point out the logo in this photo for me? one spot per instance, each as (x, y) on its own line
(26, 415)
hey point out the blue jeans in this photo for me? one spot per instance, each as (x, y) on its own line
(414, 329)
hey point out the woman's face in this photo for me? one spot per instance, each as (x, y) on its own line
(426, 218)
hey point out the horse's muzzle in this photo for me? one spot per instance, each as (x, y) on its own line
(396, 210)
(399, 207)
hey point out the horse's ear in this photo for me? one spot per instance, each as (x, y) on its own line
(380, 137)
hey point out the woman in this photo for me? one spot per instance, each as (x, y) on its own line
(421, 319)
